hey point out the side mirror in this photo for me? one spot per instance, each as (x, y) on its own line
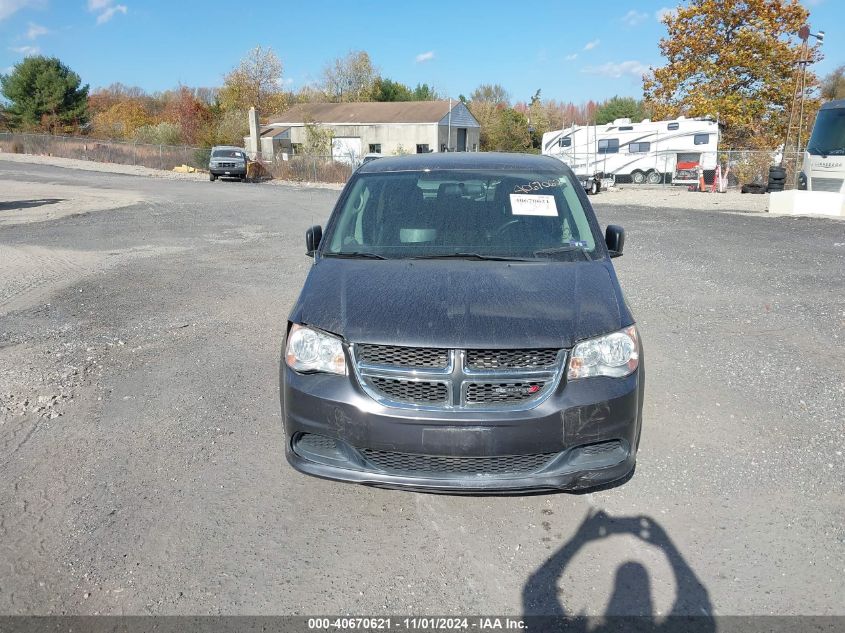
(614, 237)
(312, 239)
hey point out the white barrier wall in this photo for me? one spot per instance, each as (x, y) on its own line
(795, 202)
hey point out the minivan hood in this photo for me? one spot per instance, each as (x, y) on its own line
(462, 303)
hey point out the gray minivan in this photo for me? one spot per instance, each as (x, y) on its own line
(462, 329)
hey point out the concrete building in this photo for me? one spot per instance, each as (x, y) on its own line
(385, 127)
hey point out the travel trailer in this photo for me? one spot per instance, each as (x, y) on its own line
(646, 152)
(824, 158)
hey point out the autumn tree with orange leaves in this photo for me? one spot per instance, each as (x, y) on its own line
(735, 59)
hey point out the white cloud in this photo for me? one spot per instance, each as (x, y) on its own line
(571, 57)
(424, 57)
(106, 9)
(108, 14)
(634, 17)
(615, 71)
(35, 30)
(9, 7)
(26, 50)
(591, 45)
(662, 13)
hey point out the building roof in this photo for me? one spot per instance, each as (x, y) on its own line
(365, 112)
(272, 132)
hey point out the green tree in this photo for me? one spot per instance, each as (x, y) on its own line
(833, 85)
(385, 89)
(735, 60)
(225, 128)
(318, 139)
(510, 132)
(43, 92)
(424, 92)
(487, 102)
(538, 120)
(620, 108)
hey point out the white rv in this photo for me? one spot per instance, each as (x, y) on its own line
(824, 159)
(650, 151)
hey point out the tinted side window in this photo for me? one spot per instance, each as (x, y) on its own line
(565, 142)
(673, 126)
(608, 146)
(701, 139)
(639, 148)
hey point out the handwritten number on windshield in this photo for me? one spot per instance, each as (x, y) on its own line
(536, 186)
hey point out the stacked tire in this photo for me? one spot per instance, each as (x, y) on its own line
(777, 178)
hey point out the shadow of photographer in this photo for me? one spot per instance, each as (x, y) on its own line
(631, 600)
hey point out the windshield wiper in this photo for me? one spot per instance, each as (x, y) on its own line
(566, 248)
(812, 149)
(478, 256)
(355, 255)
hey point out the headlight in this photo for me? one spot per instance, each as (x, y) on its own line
(310, 350)
(615, 355)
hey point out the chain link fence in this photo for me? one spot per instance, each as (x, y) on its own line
(305, 168)
(84, 148)
(293, 167)
(738, 167)
(751, 167)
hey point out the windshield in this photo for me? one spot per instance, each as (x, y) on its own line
(228, 153)
(828, 133)
(474, 213)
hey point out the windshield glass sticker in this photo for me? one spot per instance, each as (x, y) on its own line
(522, 204)
(536, 185)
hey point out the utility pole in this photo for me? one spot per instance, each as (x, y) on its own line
(798, 95)
(449, 132)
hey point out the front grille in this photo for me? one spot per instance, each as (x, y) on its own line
(510, 358)
(432, 378)
(226, 164)
(412, 391)
(502, 392)
(827, 184)
(395, 356)
(411, 464)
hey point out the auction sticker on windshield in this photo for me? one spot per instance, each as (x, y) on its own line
(522, 204)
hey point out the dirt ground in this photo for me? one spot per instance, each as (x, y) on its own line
(141, 447)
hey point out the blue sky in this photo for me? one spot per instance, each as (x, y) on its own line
(572, 51)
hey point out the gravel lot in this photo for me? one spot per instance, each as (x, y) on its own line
(141, 444)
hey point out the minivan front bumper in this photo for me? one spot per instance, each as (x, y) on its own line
(584, 435)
